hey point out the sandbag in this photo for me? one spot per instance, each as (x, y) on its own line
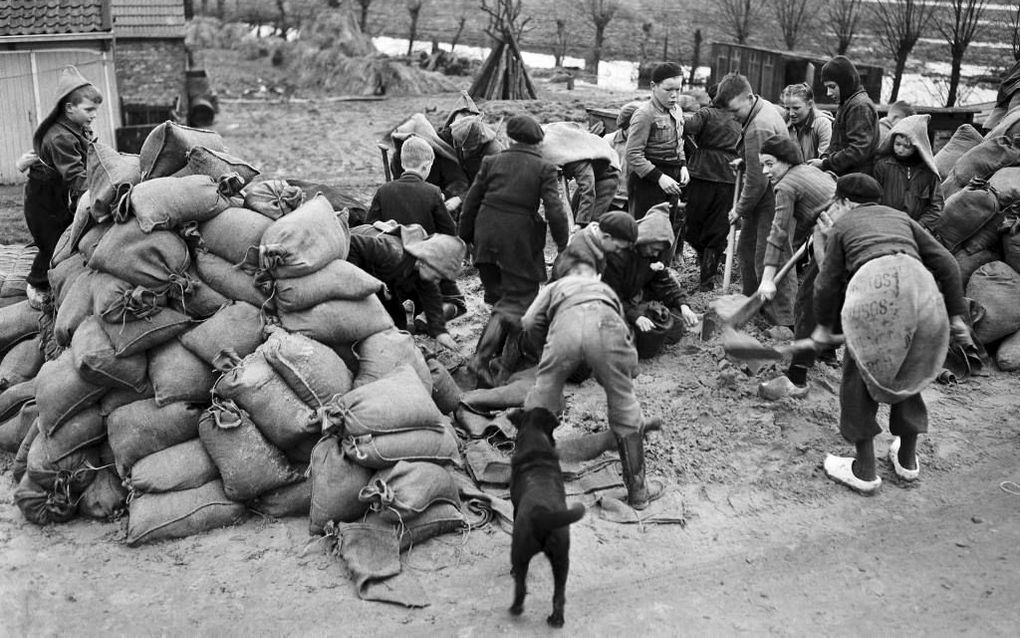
(15, 266)
(142, 428)
(82, 431)
(105, 498)
(21, 363)
(20, 464)
(14, 430)
(996, 288)
(290, 500)
(896, 326)
(385, 450)
(13, 398)
(305, 241)
(165, 149)
(117, 301)
(396, 403)
(232, 174)
(1011, 238)
(197, 299)
(178, 375)
(970, 219)
(1006, 184)
(136, 337)
(17, 322)
(153, 260)
(312, 370)
(248, 464)
(339, 321)
(1008, 355)
(339, 279)
(90, 239)
(230, 281)
(964, 138)
(235, 235)
(982, 161)
(96, 361)
(166, 203)
(64, 247)
(41, 506)
(446, 394)
(63, 275)
(72, 472)
(237, 326)
(403, 492)
(335, 484)
(970, 262)
(75, 308)
(156, 517)
(273, 198)
(383, 352)
(179, 467)
(277, 411)
(109, 177)
(62, 392)
(117, 398)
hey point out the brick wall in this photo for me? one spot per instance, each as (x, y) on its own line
(150, 72)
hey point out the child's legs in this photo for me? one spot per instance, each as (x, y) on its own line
(47, 218)
(561, 355)
(909, 417)
(611, 354)
(857, 408)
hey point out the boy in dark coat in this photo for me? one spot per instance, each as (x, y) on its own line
(410, 272)
(579, 320)
(409, 199)
(501, 219)
(57, 171)
(855, 131)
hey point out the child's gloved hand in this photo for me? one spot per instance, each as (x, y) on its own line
(959, 332)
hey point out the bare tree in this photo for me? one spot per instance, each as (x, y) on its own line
(794, 18)
(414, 10)
(1014, 24)
(601, 13)
(281, 21)
(844, 16)
(505, 17)
(363, 15)
(696, 55)
(737, 17)
(646, 38)
(460, 30)
(562, 40)
(959, 25)
(901, 24)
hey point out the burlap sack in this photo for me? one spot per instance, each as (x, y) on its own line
(20, 464)
(82, 431)
(135, 337)
(403, 492)
(17, 322)
(118, 301)
(237, 326)
(383, 352)
(290, 500)
(105, 498)
(970, 219)
(229, 280)
(62, 277)
(153, 260)
(178, 375)
(964, 138)
(312, 370)
(109, 177)
(386, 450)
(1007, 357)
(13, 398)
(73, 309)
(142, 428)
(120, 397)
(339, 279)
(235, 235)
(982, 162)
(305, 241)
(97, 362)
(50, 471)
(179, 467)
(398, 402)
(165, 150)
(273, 198)
(62, 392)
(14, 429)
(339, 321)
(42, 506)
(197, 299)
(88, 242)
(167, 203)
(335, 484)
(21, 363)
(996, 289)
(896, 326)
(155, 517)
(231, 173)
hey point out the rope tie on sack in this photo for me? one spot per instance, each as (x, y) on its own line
(355, 442)
(121, 210)
(191, 234)
(229, 184)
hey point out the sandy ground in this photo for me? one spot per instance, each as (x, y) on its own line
(770, 546)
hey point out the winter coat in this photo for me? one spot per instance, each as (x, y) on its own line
(715, 135)
(500, 214)
(813, 136)
(410, 200)
(762, 123)
(855, 132)
(632, 277)
(911, 184)
(801, 195)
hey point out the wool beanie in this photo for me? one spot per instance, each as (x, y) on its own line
(445, 253)
(627, 112)
(524, 129)
(859, 188)
(619, 225)
(784, 149)
(666, 70)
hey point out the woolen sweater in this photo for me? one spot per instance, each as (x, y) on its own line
(801, 195)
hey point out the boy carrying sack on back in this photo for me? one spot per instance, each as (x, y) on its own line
(580, 321)
(57, 172)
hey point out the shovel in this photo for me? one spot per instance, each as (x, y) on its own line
(731, 238)
(742, 346)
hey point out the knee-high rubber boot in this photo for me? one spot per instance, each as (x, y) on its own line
(512, 354)
(489, 343)
(709, 269)
(632, 457)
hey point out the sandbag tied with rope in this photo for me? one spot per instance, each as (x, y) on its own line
(155, 260)
(95, 359)
(110, 178)
(340, 321)
(403, 492)
(337, 280)
(155, 517)
(312, 370)
(230, 173)
(165, 149)
(382, 451)
(305, 241)
(970, 218)
(234, 235)
(382, 353)
(273, 198)
(166, 203)
(996, 151)
(398, 402)
(896, 326)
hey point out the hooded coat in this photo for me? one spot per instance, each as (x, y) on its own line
(911, 184)
(632, 277)
(855, 133)
(62, 145)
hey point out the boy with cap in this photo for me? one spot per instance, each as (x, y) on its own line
(907, 172)
(579, 320)
(855, 131)
(57, 171)
(411, 272)
(501, 219)
(655, 149)
(613, 232)
(801, 192)
(864, 232)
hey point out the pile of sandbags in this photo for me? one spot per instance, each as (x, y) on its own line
(209, 349)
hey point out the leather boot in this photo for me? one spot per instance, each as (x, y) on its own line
(489, 343)
(512, 355)
(709, 269)
(632, 457)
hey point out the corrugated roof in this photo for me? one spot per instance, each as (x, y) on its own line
(148, 18)
(35, 17)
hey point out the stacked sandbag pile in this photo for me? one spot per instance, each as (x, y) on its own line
(201, 345)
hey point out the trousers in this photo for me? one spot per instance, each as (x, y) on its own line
(857, 409)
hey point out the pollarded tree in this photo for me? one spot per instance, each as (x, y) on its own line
(363, 15)
(601, 13)
(736, 17)
(844, 16)
(959, 25)
(1014, 24)
(794, 18)
(414, 10)
(901, 24)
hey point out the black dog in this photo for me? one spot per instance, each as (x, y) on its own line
(541, 518)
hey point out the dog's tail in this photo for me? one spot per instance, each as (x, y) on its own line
(554, 519)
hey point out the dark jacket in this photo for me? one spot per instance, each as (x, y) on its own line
(383, 257)
(63, 151)
(715, 135)
(855, 131)
(631, 277)
(445, 173)
(410, 200)
(910, 186)
(500, 215)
